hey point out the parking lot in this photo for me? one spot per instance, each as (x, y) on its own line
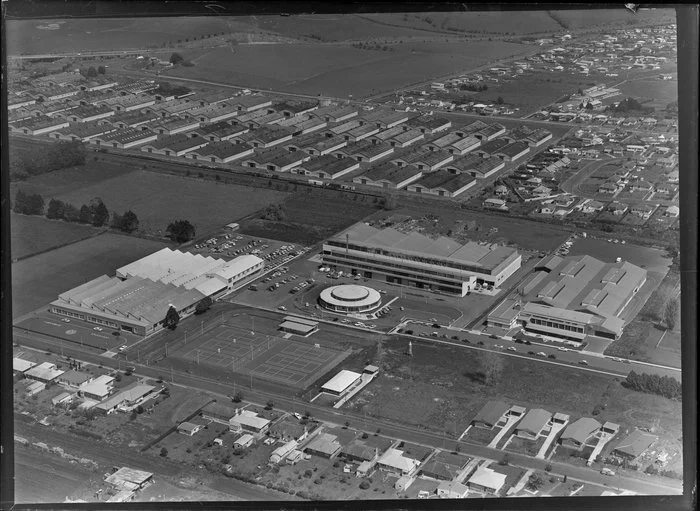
(228, 245)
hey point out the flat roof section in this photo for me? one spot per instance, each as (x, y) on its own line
(341, 381)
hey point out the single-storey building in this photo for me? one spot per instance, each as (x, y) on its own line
(124, 138)
(87, 113)
(246, 420)
(189, 428)
(250, 103)
(442, 183)
(244, 441)
(129, 102)
(476, 166)
(19, 365)
(534, 422)
(406, 138)
(174, 145)
(174, 125)
(74, 379)
(283, 451)
(577, 433)
(366, 151)
(491, 413)
(212, 113)
(341, 383)
(324, 445)
(44, 372)
(394, 461)
(383, 118)
(494, 203)
(301, 125)
(634, 445)
(513, 151)
(219, 131)
(38, 125)
(360, 132)
(128, 397)
(452, 490)
(424, 159)
(130, 479)
(131, 119)
(327, 167)
(429, 125)
(295, 108)
(219, 413)
(97, 389)
(277, 160)
(266, 137)
(341, 129)
(388, 175)
(486, 480)
(288, 429)
(221, 152)
(82, 132)
(488, 149)
(335, 113)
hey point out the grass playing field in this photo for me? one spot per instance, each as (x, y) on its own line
(34, 234)
(660, 92)
(38, 280)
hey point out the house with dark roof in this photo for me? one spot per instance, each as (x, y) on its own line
(442, 183)
(327, 167)
(288, 429)
(324, 445)
(634, 445)
(443, 466)
(534, 422)
(388, 175)
(578, 433)
(490, 415)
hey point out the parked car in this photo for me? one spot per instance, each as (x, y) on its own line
(511, 348)
(282, 308)
(65, 320)
(97, 329)
(583, 362)
(541, 354)
(123, 347)
(562, 348)
(607, 472)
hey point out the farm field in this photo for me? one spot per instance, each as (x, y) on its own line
(310, 217)
(33, 234)
(659, 92)
(159, 199)
(26, 36)
(340, 70)
(441, 388)
(38, 280)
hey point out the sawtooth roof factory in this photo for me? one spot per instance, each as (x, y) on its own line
(573, 297)
(137, 299)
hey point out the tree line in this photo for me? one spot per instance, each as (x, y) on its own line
(94, 213)
(43, 159)
(654, 384)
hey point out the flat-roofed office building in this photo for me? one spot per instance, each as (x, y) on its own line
(441, 264)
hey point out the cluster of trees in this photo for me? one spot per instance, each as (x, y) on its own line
(474, 87)
(389, 202)
(671, 313)
(177, 59)
(43, 159)
(629, 105)
(181, 231)
(654, 384)
(274, 212)
(92, 72)
(95, 213)
(28, 204)
(371, 46)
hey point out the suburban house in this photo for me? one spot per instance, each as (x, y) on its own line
(288, 429)
(97, 389)
(45, 372)
(443, 466)
(592, 206)
(220, 152)
(248, 421)
(486, 480)
(283, 451)
(577, 433)
(672, 211)
(609, 187)
(534, 422)
(642, 210)
(244, 441)
(617, 208)
(327, 166)
(219, 413)
(493, 203)
(388, 175)
(74, 379)
(325, 445)
(491, 413)
(394, 461)
(128, 398)
(634, 445)
(452, 490)
(442, 183)
(189, 428)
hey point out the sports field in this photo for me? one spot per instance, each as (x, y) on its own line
(38, 280)
(341, 70)
(275, 357)
(659, 92)
(34, 234)
(159, 199)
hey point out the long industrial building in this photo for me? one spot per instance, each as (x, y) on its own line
(441, 264)
(138, 297)
(572, 297)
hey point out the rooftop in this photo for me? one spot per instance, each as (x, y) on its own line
(341, 381)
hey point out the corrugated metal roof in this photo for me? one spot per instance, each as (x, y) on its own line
(341, 381)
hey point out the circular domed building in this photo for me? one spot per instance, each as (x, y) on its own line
(350, 298)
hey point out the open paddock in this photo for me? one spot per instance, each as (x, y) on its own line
(657, 92)
(159, 199)
(39, 279)
(35, 234)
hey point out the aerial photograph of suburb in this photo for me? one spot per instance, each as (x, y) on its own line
(382, 256)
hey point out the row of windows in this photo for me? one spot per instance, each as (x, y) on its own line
(562, 321)
(91, 319)
(436, 262)
(381, 265)
(419, 281)
(554, 324)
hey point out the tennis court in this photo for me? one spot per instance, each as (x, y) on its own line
(273, 357)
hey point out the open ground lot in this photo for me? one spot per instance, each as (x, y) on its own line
(651, 92)
(34, 234)
(442, 387)
(159, 199)
(339, 70)
(38, 280)
(310, 216)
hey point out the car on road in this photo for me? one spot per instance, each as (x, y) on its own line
(562, 348)
(499, 346)
(607, 472)
(65, 320)
(97, 329)
(541, 354)
(583, 362)
(123, 347)
(511, 348)
(282, 308)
